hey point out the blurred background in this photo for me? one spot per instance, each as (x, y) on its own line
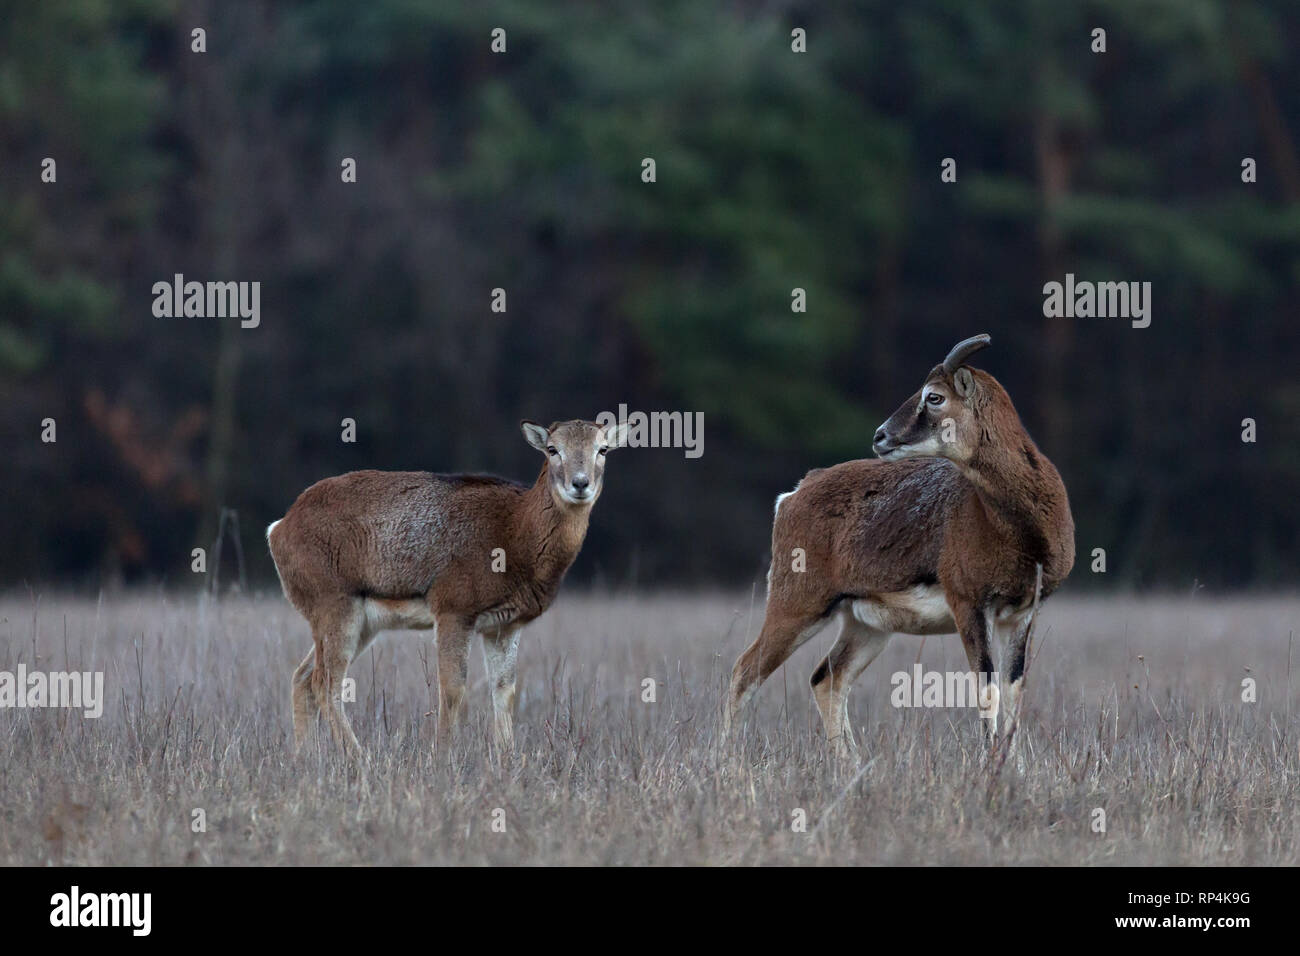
(775, 170)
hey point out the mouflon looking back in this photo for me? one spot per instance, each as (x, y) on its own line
(945, 532)
(371, 551)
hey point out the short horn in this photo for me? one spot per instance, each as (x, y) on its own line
(964, 349)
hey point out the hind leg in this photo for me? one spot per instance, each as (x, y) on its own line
(500, 653)
(856, 647)
(305, 705)
(337, 629)
(784, 631)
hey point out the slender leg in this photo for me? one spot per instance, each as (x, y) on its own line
(1016, 650)
(336, 628)
(305, 705)
(853, 651)
(453, 668)
(973, 624)
(783, 633)
(500, 652)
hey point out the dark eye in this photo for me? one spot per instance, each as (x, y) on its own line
(603, 452)
(550, 450)
(934, 398)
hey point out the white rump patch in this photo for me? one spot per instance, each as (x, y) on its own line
(271, 527)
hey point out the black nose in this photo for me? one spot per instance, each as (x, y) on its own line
(880, 436)
(580, 484)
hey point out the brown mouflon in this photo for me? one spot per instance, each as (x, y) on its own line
(371, 551)
(944, 533)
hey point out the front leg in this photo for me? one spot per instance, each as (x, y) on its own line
(973, 625)
(1017, 648)
(453, 667)
(500, 653)
(1014, 662)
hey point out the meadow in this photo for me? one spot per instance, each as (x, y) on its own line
(1132, 706)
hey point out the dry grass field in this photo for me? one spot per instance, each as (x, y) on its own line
(1133, 706)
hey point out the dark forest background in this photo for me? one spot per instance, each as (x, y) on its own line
(776, 170)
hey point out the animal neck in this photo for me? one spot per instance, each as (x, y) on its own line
(557, 529)
(1024, 497)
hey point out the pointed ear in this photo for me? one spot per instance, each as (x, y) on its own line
(964, 382)
(535, 434)
(615, 434)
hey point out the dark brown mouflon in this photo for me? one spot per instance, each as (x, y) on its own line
(945, 532)
(371, 551)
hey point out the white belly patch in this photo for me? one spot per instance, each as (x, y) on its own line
(918, 610)
(388, 614)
